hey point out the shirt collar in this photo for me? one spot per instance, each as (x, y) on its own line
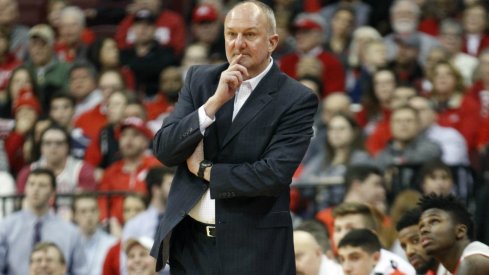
(255, 80)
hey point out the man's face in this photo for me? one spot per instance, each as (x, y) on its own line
(411, 244)
(38, 191)
(451, 40)
(139, 262)
(61, 111)
(54, 146)
(132, 143)
(427, 116)
(81, 83)
(116, 104)
(47, 261)
(144, 32)
(307, 254)
(308, 39)
(206, 32)
(344, 224)
(401, 96)
(246, 33)
(356, 261)
(8, 12)
(372, 189)
(384, 85)
(132, 207)
(403, 18)
(40, 51)
(475, 20)
(108, 83)
(404, 125)
(70, 29)
(437, 230)
(171, 82)
(86, 215)
(406, 54)
(438, 182)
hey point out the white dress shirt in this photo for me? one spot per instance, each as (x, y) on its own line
(205, 209)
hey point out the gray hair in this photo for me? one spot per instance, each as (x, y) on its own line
(272, 23)
(73, 11)
(450, 24)
(414, 7)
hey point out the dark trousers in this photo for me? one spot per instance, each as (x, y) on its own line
(192, 251)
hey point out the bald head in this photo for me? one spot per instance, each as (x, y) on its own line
(260, 8)
(333, 104)
(308, 253)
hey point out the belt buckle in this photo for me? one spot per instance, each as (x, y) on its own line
(209, 229)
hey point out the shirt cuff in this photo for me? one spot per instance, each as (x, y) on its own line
(204, 120)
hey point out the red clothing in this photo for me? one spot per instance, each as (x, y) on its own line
(129, 78)
(379, 138)
(6, 68)
(66, 53)
(92, 121)
(326, 217)
(88, 36)
(484, 43)
(333, 72)
(112, 264)
(170, 31)
(429, 26)
(157, 106)
(462, 113)
(116, 179)
(484, 133)
(481, 95)
(14, 145)
(363, 119)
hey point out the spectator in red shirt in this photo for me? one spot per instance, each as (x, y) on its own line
(475, 38)
(455, 109)
(83, 86)
(128, 174)
(70, 46)
(20, 80)
(170, 26)
(309, 33)
(8, 62)
(207, 28)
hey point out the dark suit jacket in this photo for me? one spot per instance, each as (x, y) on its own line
(254, 159)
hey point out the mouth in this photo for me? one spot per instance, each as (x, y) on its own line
(426, 241)
(414, 261)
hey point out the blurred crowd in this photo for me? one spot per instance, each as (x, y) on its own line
(404, 112)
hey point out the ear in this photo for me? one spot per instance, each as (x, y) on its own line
(272, 42)
(461, 231)
(376, 256)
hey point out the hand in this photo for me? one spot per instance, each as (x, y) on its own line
(230, 80)
(193, 162)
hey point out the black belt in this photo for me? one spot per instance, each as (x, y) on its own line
(207, 229)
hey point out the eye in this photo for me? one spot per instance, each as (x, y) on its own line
(250, 35)
(231, 35)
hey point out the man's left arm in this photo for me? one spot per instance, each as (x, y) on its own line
(474, 265)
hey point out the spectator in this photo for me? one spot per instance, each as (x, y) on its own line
(32, 144)
(93, 120)
(22, 230)
(406, 146)
(21, 80)
(105, 55)
(450, 37)
(435, 55)
(342, 27)
(139, 262)
(133, 205)
(195, 54)
(50, 73)
(454, 108)
(47, 258)
(446, 228)
(451, 142)
(480, 90)
(309, 257)
(83, 86)
(95, 241)
(170, 26)
(71, 174)
(361, 11)
(69, 46)
(26, 112)
(405, 64)
(61, 112)
(207, 29)
(350, 216)
(128, 173)
(9, 14)
(404, 19)
(475, 38)
(359, 253)
(309, 33)
(146, 58)
(436, 177)
(8, 62)
(361, 37)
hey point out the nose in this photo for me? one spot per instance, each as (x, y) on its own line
(239, 43)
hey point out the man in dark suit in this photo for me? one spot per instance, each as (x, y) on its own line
(237, 135)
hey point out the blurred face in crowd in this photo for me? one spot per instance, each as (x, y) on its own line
(346, 223)
(62, 111)
(340, 132)
(82, 83)
(47, 261)
(18, 80)
(54, 147)
(384, 85)
(406, 54)
(133, 205)
(401, 96)
(474, 20)
(144, 32)
(109, 54)
(375, 54)
(152, 5)
(139, 262)
(435, 55)
(247, 32)
(38, 191)
(86, 215)
(427, 115)
(333, 104)
(357, 261)
(439, 182)
(308, 39)
(109, 82)
(115, 107)
(372, 189)
(40, 51)
(342, 23)
(195, 54)
(171, 82)
(451, 40)
(411, 244)
(308, 253)
(70, 29)
(444, 81)
(9, 11)
(206, 31)
(404, 18)
(54, 13)
(404, 125)
(132, 143)
(135, 110)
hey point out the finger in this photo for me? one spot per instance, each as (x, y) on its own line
(240, 68)
(236, 60)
